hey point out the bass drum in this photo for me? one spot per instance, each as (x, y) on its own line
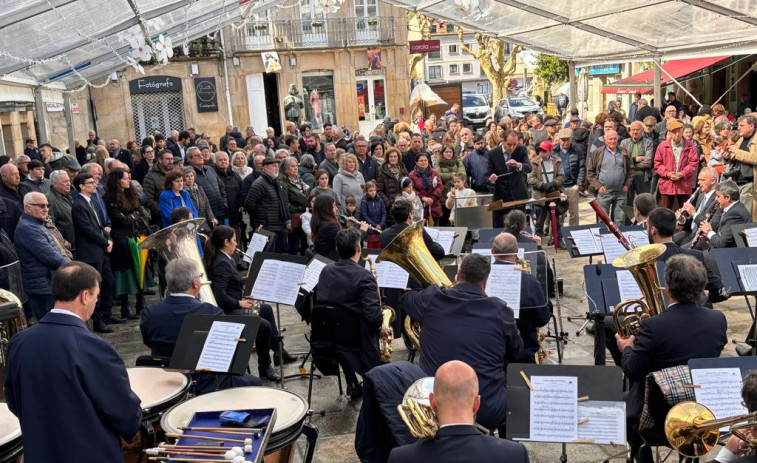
(291, 411)
(11, 444)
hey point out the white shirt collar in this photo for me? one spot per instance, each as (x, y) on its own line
(66, 312)
(728, 207)
(182, 295)
(456, 424)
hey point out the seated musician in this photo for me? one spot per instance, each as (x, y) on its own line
(455, 401)
(683, 332)
(736, 447)
(228, 290)
(642, 206)
(717, 232)
(515, 224)
(535, 310)
(349, 285)
(463, 323)
(402, 213)
(161, 322)
(701, 209)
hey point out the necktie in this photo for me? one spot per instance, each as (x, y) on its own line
(94, 211)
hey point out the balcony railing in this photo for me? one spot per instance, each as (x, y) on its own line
(318, 33)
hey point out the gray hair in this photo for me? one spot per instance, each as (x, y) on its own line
(281, 151)
(20, 158)
(32, 196)
(57, 175)
(307, 160)
(685, 278)
(249, 127)
(217, 153)
(107, 161)
(191, 150)
(729, 188)
(284, 165)
(710, 172)
(749, 119)
(87, 168)
(642, 102)
(238, 154)
(180, 273)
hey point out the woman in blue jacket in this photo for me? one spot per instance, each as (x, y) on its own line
(373, 211)
(174, 196)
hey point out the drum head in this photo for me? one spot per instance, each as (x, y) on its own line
(155, 386)
(290, 408)
(10, 428)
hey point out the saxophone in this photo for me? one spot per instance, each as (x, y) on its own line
(388, 315)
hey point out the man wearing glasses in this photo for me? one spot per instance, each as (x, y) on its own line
(39, 253)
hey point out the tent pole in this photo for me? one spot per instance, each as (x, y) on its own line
(657, 65)
(39, 107)
(69, 122)
(657, 91)
(735, 83)
(573, 89)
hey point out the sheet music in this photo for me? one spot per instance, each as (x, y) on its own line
(606, 422)
(751, 237)
(627, 286)
(554, 409)
(748, 274)
(258, 243)
(390, 275)
(585, 241)
(220, 345)
(278, 281)
(312, 274)
(504, 283)
(637, 237)
(719, 390)
(611, 247)
(445, 238)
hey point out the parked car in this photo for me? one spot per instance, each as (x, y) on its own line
(516, 106)
(476, 110)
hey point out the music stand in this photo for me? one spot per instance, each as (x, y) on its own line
(572, 248)
(739, 233)
(457, 244)
(252, 275)
(727, 261)
(598, 384)
(194, 332)
(745, 364)
(250, 253)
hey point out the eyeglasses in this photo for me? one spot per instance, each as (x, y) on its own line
(40, 205)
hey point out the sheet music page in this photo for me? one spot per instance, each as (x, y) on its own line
(606, 421)
(611, 247)
(584, 240)
(278, 281)
(627, 286)
(751, 237)
(637, 237)
(390, 275)
(504, 283)
(432, 232)
(257, 244)
(312, 274)
(554, 409)
(446, 239)
(719, 390)
(220, 345)
(748, 274)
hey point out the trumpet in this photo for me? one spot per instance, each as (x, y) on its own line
(692, 430)
(347, 218)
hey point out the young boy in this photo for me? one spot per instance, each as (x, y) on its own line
(373, 211)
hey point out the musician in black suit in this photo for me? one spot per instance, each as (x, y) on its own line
(735, 446)
(161, 322)
(683, 332)
(718, 232)
(463, 323)
(703, 207)
(455, 401)
(92, 241)
(535, 309)
(348, 285)
(228, 290)
(508, 165)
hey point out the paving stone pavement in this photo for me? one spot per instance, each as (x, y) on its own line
(337, 427)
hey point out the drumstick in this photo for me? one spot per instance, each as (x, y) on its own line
(196, 460)
(198, 448)
(224, 430)
(219, 439)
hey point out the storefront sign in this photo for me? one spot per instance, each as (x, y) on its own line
(155, 84)
(424, 46)
(206, 94)
(74, 108)
(604, 69)
(369, 72)
(54, 107)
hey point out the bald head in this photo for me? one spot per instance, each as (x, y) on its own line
(10, 176)
(455, 398)
(505, 247)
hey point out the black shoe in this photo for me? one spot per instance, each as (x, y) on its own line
(129, 314)
(287, 358)
(101, 327)
(116, 321)
(743, 351)
(354, 390)
(270, 374)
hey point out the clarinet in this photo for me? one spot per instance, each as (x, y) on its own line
(610, 224)
(699, 235)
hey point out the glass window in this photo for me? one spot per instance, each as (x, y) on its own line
(366, 8)
(467, 68)
(318, 93)
(453, 49)
(434, 72)
(454, 69)
(435, 55)
(433, 28)
(450, 27)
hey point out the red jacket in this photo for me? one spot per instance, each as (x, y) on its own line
(664, 162)
(434, 191)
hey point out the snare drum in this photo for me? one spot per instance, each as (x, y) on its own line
(291, 410)
(11, 445)
(158, 390)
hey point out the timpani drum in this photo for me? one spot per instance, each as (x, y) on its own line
(158, 390)
(11, 444)
(291, 411)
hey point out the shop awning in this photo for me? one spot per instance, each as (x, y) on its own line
(643, 82)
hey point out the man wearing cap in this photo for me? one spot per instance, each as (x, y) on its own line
(70, 165)
(642, 159)
(31, 150)
(547, 176)
(552, 127)
(267, 205)
(675, 162)
(574, 168)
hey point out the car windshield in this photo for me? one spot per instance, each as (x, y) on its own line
(473, 100)
(520, 102)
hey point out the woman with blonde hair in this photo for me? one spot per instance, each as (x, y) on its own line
(703, 135)
(492, 139)
(101, 154)
(348, 181)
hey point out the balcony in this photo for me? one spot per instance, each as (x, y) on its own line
(318, 33)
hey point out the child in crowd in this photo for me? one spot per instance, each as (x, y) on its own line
(350, 210)
(322, 188)
(373, 211)
(459, 190)
(409, 194)
(307, 215)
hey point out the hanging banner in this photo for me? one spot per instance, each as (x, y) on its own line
(374, 58)
(206, 94)
(271, 61)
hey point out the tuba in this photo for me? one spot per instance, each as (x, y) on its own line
(180, 240)
(692, 430)
(642, 263)
(410, 252)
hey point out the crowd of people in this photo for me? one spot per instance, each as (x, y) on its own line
(336, 193)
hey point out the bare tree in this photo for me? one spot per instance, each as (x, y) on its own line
(424, 23)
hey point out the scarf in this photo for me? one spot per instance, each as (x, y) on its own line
(63, 245)
(299, 184)
(394, 170)
(283, 210)
(448, 163)
(425, 177)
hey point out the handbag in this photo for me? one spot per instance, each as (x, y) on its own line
(296, 218)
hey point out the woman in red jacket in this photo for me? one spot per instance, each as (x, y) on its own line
(428, 186)
(675, 162)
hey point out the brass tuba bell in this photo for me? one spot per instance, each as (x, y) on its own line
(642, 263)
(180, 240)
(410, 252)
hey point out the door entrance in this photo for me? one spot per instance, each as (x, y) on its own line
(371, 103)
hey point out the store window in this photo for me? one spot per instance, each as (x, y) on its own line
(318, 93)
